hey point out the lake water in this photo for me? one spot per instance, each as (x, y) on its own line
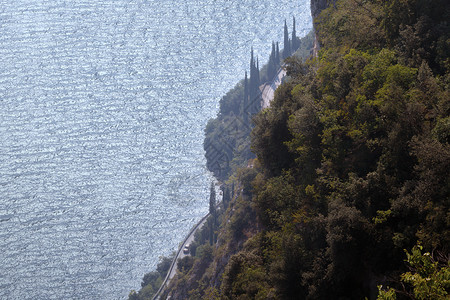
(102, 111)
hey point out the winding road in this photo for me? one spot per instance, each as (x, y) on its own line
(267, 91)
(173, 267)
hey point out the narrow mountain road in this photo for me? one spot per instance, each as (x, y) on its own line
(267, 94)
(268, 89)
(180, 254)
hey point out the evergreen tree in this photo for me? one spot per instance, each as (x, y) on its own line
(272, 54)
(256, 101)
(254, 83)
(212, 210)
(295, 40)
(258, 79)
(252, 65)
(211, 230)
(271, 66)
(212, 200)
(245, 104)
(287, 43)
(226, 197)
(252, 73)
(254, 95)
(277, 55)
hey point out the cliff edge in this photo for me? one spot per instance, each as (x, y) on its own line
(316, 8)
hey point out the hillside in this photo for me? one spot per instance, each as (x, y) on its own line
(349, 167)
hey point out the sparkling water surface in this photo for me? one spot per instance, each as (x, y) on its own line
(102, 111)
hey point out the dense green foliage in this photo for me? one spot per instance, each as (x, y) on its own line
(354, 159)
(430, 277)
(352, 167)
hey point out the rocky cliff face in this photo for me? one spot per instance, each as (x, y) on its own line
(316, 7)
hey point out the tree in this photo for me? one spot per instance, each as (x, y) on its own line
(277, 54)
(254, 95)
(295, 40)
(251, 91)
(429, 278)
(164, 265)
(212, 200)
(150, 278)
(185, 264)
(133, 295)
(213, 213)
(271, 65)
(245, 103)
(258, 78)
(226, 197)
(287, 43)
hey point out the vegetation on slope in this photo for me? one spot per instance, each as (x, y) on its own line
(227, 137)
(352, 167)
(227, 146)
(152, 281)
(354, 156)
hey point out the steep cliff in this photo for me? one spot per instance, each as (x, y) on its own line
(318, 5)
(316, 8)
(351, 169)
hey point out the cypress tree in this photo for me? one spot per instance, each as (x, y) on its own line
(211, 231)
(212, 200)
(252, 66)
(258, 79)
(271, 66)
(256, 102)
(253, 87)
(252, 84)
(252, 72)
(277, 55)
(245, 104)
(226, 197)
(295, 41)
(212, 211)
(287, 44)
(272, 54)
